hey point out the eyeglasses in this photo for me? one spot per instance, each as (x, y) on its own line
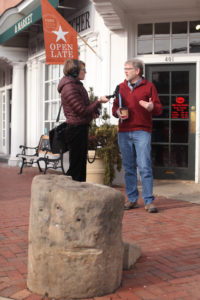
(84, 70)
(128, 69)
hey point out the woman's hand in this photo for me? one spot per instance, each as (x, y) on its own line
(95, 116)
(103, 99)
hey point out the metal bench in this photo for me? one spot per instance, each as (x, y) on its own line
(40, 153)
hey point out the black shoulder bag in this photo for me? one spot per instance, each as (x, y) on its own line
(57, 136)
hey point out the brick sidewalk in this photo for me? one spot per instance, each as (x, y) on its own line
(169, 267)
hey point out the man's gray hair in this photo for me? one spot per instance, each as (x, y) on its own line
(137, 64)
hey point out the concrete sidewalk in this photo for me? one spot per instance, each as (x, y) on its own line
(178, 189)
(169, 267)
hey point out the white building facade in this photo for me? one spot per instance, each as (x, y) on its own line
(165, 35)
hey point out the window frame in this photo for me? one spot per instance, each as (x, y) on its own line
(171, 36)
(52, 100)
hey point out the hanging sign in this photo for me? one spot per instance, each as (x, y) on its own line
(59, 36)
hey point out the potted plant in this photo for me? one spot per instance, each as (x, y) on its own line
(102, 140)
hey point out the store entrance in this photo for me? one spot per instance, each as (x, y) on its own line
(173, 135)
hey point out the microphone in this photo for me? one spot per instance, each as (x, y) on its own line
(115, 94)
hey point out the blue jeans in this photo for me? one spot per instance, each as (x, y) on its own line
(135, 147)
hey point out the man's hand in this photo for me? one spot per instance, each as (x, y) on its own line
(147, 105)
(122, 117)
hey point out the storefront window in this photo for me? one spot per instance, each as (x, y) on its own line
(162, 38)
(162, 46)
(195, 27)
(194, 43)
(55, 71)
(52, 101)
(179, 45)
(179, 28)
(166, 38)
(179, 37)
(54, 109)
(47, 90)
(47, 73)
(145, 30)
(54, 86)
(162, 29)
(145, 34)
(47, 111)
(145, 47)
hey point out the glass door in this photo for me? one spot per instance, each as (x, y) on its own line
(173, 135)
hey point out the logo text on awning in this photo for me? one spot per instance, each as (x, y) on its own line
(23, 23)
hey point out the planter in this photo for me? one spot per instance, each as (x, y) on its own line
(95, 170)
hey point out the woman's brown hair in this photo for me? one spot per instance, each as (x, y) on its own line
(72, 67)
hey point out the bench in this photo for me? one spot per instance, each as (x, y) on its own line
(41, 153)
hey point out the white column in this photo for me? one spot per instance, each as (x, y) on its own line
(18, 111)
(34, 86)
(32, 104)
(28, 105)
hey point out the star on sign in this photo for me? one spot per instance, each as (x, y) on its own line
(60, 34)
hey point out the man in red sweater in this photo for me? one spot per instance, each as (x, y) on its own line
(141, 99)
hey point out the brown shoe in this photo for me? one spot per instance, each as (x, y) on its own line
(130, 205)
(151, 208)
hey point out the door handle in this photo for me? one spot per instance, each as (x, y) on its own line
(193, 119)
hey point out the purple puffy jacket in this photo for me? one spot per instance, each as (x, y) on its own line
(75, 101)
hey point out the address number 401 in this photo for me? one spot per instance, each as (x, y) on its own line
(169, 59)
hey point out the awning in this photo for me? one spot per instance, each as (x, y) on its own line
(25, 22)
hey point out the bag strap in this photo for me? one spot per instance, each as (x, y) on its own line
(58, 116)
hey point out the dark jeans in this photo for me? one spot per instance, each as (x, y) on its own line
(78, 147)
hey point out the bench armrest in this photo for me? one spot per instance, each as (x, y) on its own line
(24, 148)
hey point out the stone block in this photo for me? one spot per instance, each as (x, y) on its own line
(75, 238)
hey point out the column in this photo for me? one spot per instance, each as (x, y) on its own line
(17, 111)
(34, 102)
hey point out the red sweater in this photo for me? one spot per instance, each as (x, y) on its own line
(75, 101)
(139, 117)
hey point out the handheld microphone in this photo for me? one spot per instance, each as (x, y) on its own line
(115, 94)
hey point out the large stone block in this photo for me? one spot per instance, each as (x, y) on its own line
(75, 238)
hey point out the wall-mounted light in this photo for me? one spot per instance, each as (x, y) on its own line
(198, 27)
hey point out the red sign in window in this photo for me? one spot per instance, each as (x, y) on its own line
(180, 109)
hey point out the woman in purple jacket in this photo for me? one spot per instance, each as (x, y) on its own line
(79, 113)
